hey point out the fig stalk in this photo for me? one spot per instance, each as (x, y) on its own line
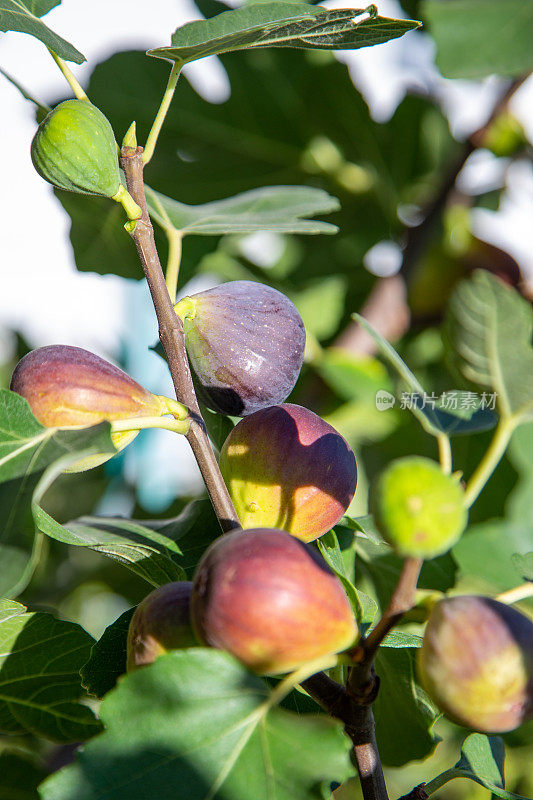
(172, 339)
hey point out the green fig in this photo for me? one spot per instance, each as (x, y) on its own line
(476, 663)
(271, 601)
(419, 510)
(161, 622)
(74, 148)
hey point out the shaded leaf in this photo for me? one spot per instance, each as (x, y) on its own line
(19, 776)
(281, 24)
(23, 16)
(40, 658)
(403, 713)
(146, 552)
(108, 657)
(499, 541)
(476, 38)
(482, 759)
(280, 209)
(488, 332)
(195, 724)
(363, 606)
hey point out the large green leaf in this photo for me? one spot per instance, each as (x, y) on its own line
(488, 333)
(280, 209)
(26, 446)
(476, 38)
(284, 106)
(195, 724)
(40, 658)
(482, 759)
(142, 550)
(281, 24)
(23, 16)
(403, 713)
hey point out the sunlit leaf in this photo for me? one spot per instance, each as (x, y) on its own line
(196, 724)
(281, 24)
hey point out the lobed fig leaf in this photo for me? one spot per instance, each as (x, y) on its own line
(245, 343)
(161, 622)
(419, 510)
(287, 468)
(68, 387)
(270, 600)
(74, 149)
(476, 663)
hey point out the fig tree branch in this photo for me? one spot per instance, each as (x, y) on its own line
(173, 341)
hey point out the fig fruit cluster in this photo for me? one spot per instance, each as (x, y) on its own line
(261, 595)
(476, 663)
(69, 387)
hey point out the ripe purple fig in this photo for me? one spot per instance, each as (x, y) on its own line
(245, 343)
(161, 622)
(270, 600)
(287, 468)
(476, 663)
(68, 387)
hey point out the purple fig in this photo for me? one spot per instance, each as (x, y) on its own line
(161, 622)
(287, 468)
(68, 387)
(476, 663)
(245, 343)
(270, 600)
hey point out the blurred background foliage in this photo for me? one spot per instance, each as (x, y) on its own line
(296, 118)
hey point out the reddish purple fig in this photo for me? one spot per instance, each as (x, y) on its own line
(245, 343)
(476, 663)
(287, 468)
(161, 622)
(70, 387)
(270, 600)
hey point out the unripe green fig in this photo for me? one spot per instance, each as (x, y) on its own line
(476, 663)
(270, 600)
(74, 148)
(419, 510)
(68, 387)
(161, 622)
(286, 468)
(245, 343)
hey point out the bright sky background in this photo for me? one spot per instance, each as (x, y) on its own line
(47, 300)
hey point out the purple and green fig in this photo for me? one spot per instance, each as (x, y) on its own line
(476, 663)
(245, 343)
(286, 468)
(271, 601)
(68, 387)
(419, 510)
(161, 622)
